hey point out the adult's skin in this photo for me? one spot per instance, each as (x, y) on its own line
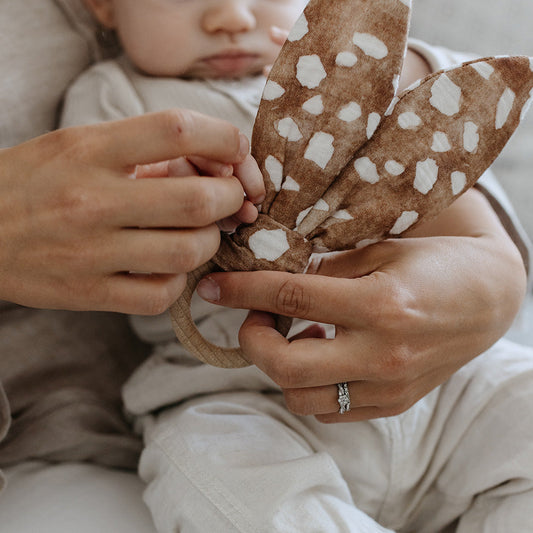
(408, 313)
(74, 228)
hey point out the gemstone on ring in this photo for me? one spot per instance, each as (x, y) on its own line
(343, 397)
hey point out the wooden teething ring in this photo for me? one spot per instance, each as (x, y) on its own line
(191, 338)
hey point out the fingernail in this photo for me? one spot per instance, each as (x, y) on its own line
(209, 290)
(244, 146)
(226, 171)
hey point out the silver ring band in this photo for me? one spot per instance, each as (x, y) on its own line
(343, 397)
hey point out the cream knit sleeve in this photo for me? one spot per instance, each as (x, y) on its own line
(101, 93)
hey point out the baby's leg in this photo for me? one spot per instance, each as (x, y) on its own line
(497, 466)
(241, 462)
(463, 456)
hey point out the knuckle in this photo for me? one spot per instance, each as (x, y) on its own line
(202, 209)
(394, 308)
(78, 206)
(293, 300)
(181, 124)
(395, 365)
(185, 258)
(158, 303)
(297, 402)
(287, 375)
(401, 310)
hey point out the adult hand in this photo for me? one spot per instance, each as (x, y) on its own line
(408, 314)
(74, 228)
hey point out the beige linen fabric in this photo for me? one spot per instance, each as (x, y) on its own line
(459, 460)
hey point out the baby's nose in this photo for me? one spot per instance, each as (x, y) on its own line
(231, 16)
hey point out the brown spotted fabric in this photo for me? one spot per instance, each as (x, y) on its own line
(346, 162)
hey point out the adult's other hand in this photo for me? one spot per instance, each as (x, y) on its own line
(408, 314)
(77, 233)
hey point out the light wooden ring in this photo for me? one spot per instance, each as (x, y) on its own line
(192, 339)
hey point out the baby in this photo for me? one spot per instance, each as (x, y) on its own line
(222, 452)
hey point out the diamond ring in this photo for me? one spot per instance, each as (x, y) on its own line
(343, 397)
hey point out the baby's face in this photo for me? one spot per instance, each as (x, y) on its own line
(202, 38)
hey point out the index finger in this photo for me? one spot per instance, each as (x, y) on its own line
(318, 298)
(166, 135)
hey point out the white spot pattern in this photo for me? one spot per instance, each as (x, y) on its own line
(288, 129)
(445, 96)
(426, 175)
(310, 71)
(440, 142)
(342, 214)
(527, 105)
(321, 205)
(272, 90)
(350, 112)
(505, 104)
(302, 215)
(370, 45)
(392, 105)
(394, 168)
(458, 181)
(320, 149)
(300, 28)
(290, 184)
(373, 122)
(275, 171)
(409, 120)
(470, 137)
(346, 59)
(268, 244)
(366, 169)
(483, 69)
(396, 82)
(314, 105)
(405, 221)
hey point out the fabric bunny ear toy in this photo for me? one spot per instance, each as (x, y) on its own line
(345, 161)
